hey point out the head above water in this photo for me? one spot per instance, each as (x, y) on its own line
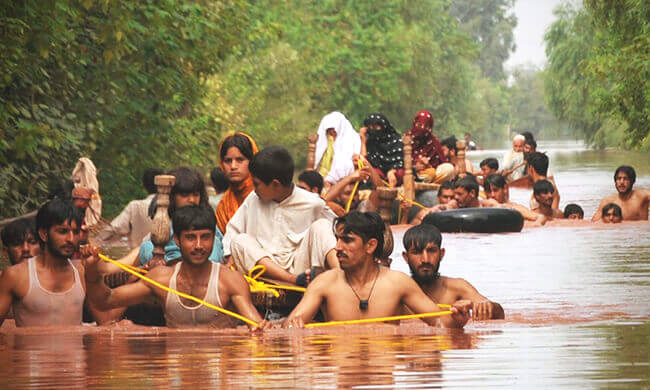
(19, 241)
(496, 188)
(423, 252)
(446, 192)
(489, 165)
(518, 143)
(58, 224)
(538, 162)
(311, 181)
(194, 228)
(368, 226)
(465, 191)
(530, 145)
(573, 211)
(542, 187)
(148, 179)
(624, 179)
(612, 213)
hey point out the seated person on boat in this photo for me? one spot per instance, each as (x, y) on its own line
(361, 288)
(383, 148)
(194, 233)
(423, 253)
(336, 144)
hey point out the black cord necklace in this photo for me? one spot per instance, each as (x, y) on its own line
(363, 303)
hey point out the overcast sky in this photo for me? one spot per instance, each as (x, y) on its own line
(534, 17)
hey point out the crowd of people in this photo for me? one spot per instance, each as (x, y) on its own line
(320, 233)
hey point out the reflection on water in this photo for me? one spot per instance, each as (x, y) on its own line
(576, 301)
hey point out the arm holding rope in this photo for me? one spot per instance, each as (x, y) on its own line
(237, 289)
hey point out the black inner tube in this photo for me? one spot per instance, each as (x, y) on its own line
(476, 220)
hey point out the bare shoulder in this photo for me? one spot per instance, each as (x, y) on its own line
(161, 273)
(398, 279)
(327, 278)
(15, 272)
(458, 285)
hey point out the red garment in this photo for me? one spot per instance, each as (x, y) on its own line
(425, 144)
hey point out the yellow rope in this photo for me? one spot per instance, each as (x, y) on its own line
(180, 294)
(380, 319)
(354, 190)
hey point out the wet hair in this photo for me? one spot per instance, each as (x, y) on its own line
(193, 218)
(312, 179)
(446, 185)
(239, 141)
(628, 170)
(55, 212)
(16, 231)
(573, 208)
(468, 183)
(148, 179)
(539, 162)
(531, 142)
(491, 162)
(450, 143)
(418, 237)
(219, 180)
(612, 206)
(273, 163)
(188, 181)
(528, 135)
(495, 180)
(542, 187)
(365, 225)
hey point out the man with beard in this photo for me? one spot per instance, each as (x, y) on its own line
(361, 288)
(48, 289)
(513, 160)
(423, 253)
(498, 195)
(633, 203)
(19, 241)
(194, 233)
(543, 193)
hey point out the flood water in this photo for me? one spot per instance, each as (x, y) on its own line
(576, 302)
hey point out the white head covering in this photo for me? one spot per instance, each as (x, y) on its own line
(347, 143)
(84, 174)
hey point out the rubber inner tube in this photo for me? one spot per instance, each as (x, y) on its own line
(476, 220)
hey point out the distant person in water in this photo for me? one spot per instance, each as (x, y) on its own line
(194, 233)
(423, 253)
(383, 148)
(19, 241)
(573, 211)
(612, 213)
(544, 192)
(445, 195)
(280, 226)
(633, 203)
(471, 145)
(497, 192)
(538, 170)
(134, 222)
(362, 288)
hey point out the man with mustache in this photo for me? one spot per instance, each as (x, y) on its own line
(48, 289)
(544, 194)
(423, 253)
(633, 203)
(361, 288)
(194, 232)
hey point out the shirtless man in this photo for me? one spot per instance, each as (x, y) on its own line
(445, 195)
(363, 289)
(194, 233)
(633, 203)
(450, 150)
(423, 254)
(543, 191)
(497, 192)
(48, 289)
(538, 170)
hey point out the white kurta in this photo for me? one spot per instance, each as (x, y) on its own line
(278, 227)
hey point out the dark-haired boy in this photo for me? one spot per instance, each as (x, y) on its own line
(612, 213)
(573, 211)
(538, 170)
(489, 166)
(633, 203)
(362, 288)
(19, 241)
(194, 233)
(60, 298)
(311, 181)
(544, 194)
(498, 195)
(423, 253)
(280, 226)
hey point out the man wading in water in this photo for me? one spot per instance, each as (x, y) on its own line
(194, 233)
(362, 288)
(633, 203)
(423, 255)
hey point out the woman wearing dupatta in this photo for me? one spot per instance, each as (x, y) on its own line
(428, 156)
(384, 148)
(337, 143)
(235, 153)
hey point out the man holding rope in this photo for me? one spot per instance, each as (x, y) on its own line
(194, 275)
(362, 289)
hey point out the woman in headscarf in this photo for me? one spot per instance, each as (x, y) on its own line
(384, 148)
(427, 151)
(337, 143)
(235, 153)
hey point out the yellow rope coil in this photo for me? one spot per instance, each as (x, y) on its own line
(180, 294)
(261, 286)
(380, 319)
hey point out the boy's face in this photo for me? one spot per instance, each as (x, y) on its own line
(266, 192)
(575, 216)
(24, 250)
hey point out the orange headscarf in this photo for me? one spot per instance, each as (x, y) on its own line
(235, 194)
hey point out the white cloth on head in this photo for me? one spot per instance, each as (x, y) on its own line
(346, 144)
(84, 175)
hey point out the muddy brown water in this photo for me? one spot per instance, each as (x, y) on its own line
(576, 301)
